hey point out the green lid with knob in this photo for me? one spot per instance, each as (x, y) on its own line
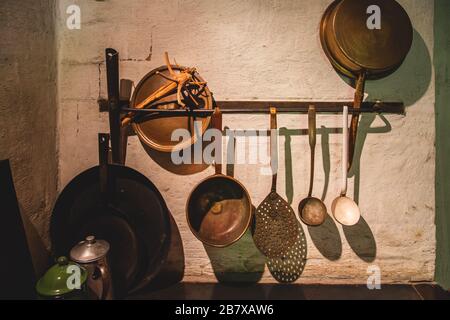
(56, 280)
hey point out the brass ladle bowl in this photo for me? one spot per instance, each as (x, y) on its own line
(312, 211)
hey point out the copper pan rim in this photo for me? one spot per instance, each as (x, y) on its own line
(163, 147)
(344, 63)
(245, 226)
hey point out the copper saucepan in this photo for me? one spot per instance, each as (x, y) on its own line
(361, 48)
(219, 209)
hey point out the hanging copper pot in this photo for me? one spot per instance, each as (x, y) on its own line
(361, 48)
(219, 209)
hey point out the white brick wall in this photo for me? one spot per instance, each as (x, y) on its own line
(266, 50)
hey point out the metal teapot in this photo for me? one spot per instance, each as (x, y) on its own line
(92, 255)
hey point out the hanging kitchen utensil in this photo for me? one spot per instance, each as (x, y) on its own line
(344, 209)
(219, 209)
(289, 267)
(276, 225)
(155, 131)
(312, 211)
(185, 83)
(365, 40)
(130, 197)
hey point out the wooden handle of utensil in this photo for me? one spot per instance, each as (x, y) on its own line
(126, 86)
(312, 144)
(359, 97)
(217, 124)
(312, 126)
(273, 147)
(165, 90)
(344, 150)
(273, 118)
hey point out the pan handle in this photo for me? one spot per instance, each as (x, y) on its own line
(359, 97)
(112, 75)
(103, 155)
(216, 120)
(273, 147)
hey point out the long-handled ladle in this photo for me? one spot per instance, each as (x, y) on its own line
(312, 211)
(344, 209)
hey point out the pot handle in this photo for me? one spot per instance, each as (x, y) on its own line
(106, 280)
(359, 97)
(103, 155)
(217, 124)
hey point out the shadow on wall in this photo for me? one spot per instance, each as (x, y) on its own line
(361, 240)
(172, 270)
(363, 130)
(163, 159)
(326, 239)
(239, 263)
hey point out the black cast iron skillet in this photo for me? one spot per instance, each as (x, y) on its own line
(131, 214)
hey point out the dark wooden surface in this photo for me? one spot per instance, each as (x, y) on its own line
(197, 291)
(16, 266)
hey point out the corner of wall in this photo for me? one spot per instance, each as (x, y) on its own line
(442, 106)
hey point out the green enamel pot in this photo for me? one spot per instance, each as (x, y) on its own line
(65, 280)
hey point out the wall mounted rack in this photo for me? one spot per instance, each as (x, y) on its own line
(119, 93)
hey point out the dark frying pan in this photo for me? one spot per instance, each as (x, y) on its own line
(360, 52)
(131, 212)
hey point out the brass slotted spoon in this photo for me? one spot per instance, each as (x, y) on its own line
(289, 267)
(276, 228)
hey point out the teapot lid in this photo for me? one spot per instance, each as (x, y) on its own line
(55, 280)
(89, 250)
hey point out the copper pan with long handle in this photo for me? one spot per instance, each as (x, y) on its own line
(219, 208)
(365, 40)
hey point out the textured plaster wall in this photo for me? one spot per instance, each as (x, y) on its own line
(269, 50)
(28, 109)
